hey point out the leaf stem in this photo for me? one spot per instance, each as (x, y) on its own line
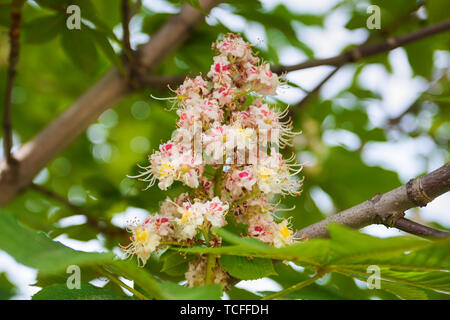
(294, 288)
(210, 264)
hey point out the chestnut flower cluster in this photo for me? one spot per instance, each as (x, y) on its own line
(224, 126)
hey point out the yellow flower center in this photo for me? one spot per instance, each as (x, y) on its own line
(265, 173)
(186, 215)
(165, 168)
(285, 232)
(184, 169)
(141, 236)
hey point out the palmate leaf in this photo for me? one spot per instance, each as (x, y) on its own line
(350, 252)
(37, 250)
(247, 268)
(86, 292)
(165, 290)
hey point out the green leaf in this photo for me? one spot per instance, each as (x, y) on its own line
(437, 10)
(175, 264)
(105, 46)
(173, 291)
(196, 4)
(80, 49)
(86, 292)
(240, 294)
(7, 289)
(40, 251)
(247, 268)
(44, 29)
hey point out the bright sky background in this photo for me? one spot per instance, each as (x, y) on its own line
(397, 90)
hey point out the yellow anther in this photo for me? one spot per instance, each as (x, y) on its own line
(141, 236)
(285, 232)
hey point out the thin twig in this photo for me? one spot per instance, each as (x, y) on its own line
(418, 229)
(316, 89)
(360, 52)
(14, 35)
(126, 17)
(368, 50)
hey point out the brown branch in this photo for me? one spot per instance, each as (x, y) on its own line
(316, 90)
(14, 35)
(387, 208)
(126, 17)
(35, 154)
(368, 50)
(353, 55)
(418, 229)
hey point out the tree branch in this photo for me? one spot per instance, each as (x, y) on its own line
(353, 55)
(316, 90)
(388, 208)
(418, 229)
(14, 34)
(35, 154)
(126, 17)
(368, 50)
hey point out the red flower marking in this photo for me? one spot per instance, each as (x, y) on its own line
(243, 174)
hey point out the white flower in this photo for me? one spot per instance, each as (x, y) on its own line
(215, 211)
(191, 219)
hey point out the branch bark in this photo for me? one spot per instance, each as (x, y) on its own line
(388, 208)
(353, 55)
(35, 154)
(14, 35)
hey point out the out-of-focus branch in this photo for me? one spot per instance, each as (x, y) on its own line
(126, 17)
(368, 50)
(14, 41)
(316, 89)
(363, 51)
(389, 208)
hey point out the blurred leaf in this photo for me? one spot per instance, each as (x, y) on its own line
(44, 28)
(86, 292)
(80, 48)
(41, 252)
(175, 264)
(247, 268)
(7, 289)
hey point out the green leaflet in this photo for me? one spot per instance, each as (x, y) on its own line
(165, 290)
(173, 291)
(37, 250)
(245, 268)
(351, 252)
(86, 292)
(7, 289)
(175, 264)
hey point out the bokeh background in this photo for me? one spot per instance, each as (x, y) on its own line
(375, 124)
